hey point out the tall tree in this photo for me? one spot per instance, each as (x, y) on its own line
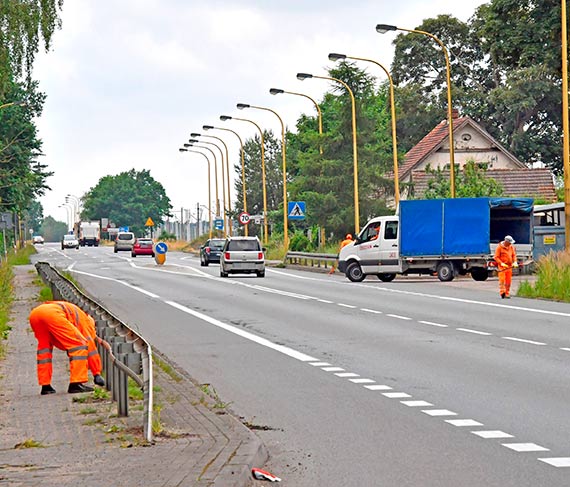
(127, 199)
(53, 230)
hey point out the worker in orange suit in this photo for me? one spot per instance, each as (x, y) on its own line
(347, 240)
(54, 328)
(506, 259)
(86, 326)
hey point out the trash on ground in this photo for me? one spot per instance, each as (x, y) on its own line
(263, 475)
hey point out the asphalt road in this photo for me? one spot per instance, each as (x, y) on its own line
(408, 383)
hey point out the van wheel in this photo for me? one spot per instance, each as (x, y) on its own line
(386, 277)
(445, 271)
(354, 272)
(479, 274)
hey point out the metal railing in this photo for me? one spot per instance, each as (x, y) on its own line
(124, 353)
(312, 259)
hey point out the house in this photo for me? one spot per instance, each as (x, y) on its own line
(472, 142)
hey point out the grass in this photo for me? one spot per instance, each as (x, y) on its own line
(167, 369)
(210, 391)
(157, 426)
(88, 411)
(29, 443)
(135, 392)
(553, 278)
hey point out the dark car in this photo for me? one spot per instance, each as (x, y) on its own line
(211, 251)
(143, 246)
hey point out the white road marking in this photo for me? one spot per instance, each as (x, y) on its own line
(371, 311)
(524, 447)
(395, 395)
(333, 369)
(492, 434)
(439, 412)
(557, 461)
(326, 301)
(136, 288)
(347, 374)
(319, 364)
(475, 332)
(346, 305)
(362, 381)
(244, 334)
(565, 349)
(140, 290)
(378, 387)
(416, 404)
(522, 340)
(399, 317)
(463, 422)
(433, 324)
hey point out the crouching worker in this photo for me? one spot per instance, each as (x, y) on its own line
(54, 327)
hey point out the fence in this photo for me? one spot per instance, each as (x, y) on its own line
(304, 258)
(124, 352)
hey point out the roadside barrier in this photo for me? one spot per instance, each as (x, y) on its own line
(124, 353)
(309, 258)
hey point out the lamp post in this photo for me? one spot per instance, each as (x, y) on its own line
(241, 106)
(278, 91)
(211, 127)
(382, 29)
(76, 201)
(215, 173)
(68, 213)
(209, 185)
(225, 118)
(565, 127)
(303, 76)
(335, 57)
(229, 201)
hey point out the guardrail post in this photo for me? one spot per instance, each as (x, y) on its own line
(116, 372)
(122, 386)
(108, 334)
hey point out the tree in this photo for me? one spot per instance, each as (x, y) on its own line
(52, 230)
(127, 199)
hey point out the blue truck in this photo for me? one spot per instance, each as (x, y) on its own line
(443, 237)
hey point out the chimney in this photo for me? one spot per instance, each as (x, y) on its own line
(454, 113)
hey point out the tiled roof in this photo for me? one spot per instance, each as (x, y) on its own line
(535, 183)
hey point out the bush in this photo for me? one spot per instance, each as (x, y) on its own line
(553, 278)
(300, 243)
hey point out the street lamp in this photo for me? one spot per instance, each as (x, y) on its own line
(209, 185)
(336, 57)
(304, 76)
(278, 91)
(211, 127)
(225, 118)
(227, 175)
(241, 106)
(68, 214)
(76, 202)
(382, 29)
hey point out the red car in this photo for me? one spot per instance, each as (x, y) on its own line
(143, 246)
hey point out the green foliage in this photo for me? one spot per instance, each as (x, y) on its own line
(299, 242)
(553, 278)
(53, 230)
(127, 199)
(6, 298)
(167, 236)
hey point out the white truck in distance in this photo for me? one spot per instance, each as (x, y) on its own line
(89, 233)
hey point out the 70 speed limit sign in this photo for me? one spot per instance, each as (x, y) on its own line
(244, 218)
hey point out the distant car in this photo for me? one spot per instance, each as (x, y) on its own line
(69, 242)
(143, 246)
(242, 255)
(211, 251)
(124, 241)
(37, 239)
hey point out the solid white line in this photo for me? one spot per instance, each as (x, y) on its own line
(347, 374)
(399, 317)
(524, 447)
(439, 412)
(378, 387)
(346, 305)
(463, 422)
(492, 434)
(395, 395)
(333, 369)
(244, 334)
(416, 404)
(476, 332)
(522, 340)
(319, 364)
(141, 290)
(371, 311)
(557, 461)
(565, 349)
(362, 381)
(433, 324)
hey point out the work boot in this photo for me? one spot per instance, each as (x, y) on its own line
(75, 387)
(99, 380)
(502, 295)
(47, 390)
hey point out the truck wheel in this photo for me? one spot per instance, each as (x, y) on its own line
(445, 271)
(479, 274)
(386, 277)
(354, 272)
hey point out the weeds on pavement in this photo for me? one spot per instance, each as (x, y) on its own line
(553, 278)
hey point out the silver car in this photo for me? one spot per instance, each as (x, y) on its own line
(124, 241)
(242, 255)
(69, 242)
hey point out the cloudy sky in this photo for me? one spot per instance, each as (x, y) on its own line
(128, 80)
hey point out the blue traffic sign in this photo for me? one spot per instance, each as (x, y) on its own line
(161, 248)
(219, 224)
(296, 210)
(123, 229)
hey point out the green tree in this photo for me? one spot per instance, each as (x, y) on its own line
(52, 230)
(127, 199)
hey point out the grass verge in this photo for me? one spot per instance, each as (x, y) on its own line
(553, 278)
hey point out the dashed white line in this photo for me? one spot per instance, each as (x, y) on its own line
(399, 317)
(346, 305)
(378, 387)
(433, 324)
(371, 311)
(395, 395)
(557, 461)
(416, 404)
(489, 435)
(524, 447)
(326, 301)
(565, 349)
(333, 369)
(439, 412)
(463, 422)
(476, 332)
(522, 340)
(362, 381)
(319, 364)
(347, 374)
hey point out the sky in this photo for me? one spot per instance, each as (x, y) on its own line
(127, 81)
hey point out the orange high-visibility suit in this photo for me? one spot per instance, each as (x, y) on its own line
(86, 326)
(505, 257)
(53, 328)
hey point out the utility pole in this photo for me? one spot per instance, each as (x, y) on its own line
(198, 220)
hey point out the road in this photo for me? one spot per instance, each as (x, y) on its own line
(408, 383)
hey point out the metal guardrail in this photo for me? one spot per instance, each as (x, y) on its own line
(124, 353)
(304, 258)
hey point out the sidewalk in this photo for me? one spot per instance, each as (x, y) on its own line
(65, 442)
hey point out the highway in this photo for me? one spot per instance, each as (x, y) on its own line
(408, 383)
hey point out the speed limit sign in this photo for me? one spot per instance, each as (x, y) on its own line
(244, 218)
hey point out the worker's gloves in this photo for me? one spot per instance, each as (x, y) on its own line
(504, 265)
(515, 264)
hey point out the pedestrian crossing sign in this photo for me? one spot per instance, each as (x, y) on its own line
(296, 210)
